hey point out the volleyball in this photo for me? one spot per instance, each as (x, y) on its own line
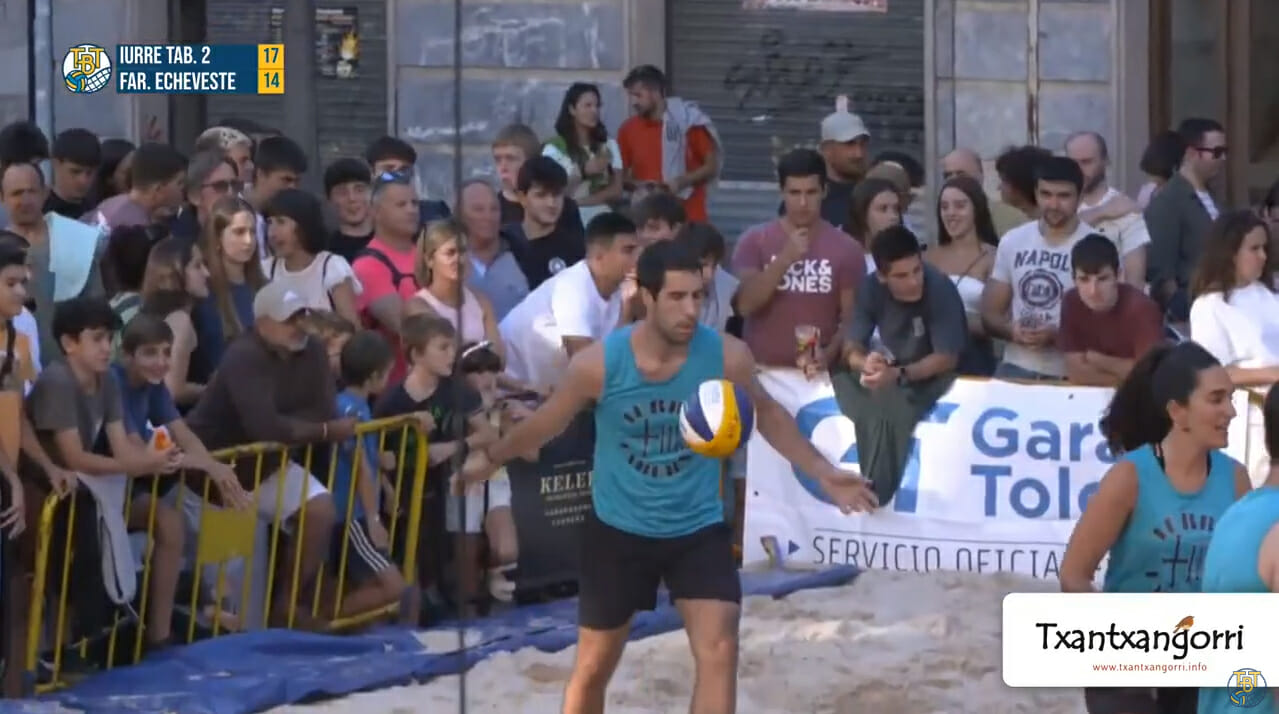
(717, 419)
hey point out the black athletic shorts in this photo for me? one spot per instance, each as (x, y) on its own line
(1141, 700)
(363, 559)
(620, 572)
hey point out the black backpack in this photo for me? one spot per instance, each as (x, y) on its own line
(396, 276)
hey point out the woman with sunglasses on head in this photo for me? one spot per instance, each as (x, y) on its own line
(296, 235)
(211, 175)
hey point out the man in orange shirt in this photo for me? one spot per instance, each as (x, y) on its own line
(669, 142)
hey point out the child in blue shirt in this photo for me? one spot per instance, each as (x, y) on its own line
(361, 540)
(147, 407)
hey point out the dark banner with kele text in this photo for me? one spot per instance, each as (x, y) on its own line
(550, 499)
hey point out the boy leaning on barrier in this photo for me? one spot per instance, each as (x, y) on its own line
(145, 352)
(77, 412)
(448, 406)
(361, 544)
(152, 421)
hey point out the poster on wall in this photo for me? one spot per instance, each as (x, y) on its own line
(337, 40)
(818, 5)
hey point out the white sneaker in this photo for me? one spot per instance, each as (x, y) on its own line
(501, 587)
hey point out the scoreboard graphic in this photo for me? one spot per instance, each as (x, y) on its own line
(175, 69)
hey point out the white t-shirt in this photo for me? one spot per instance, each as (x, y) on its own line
(1241, 330)
(1209, 205)
(1040, 274)
(314, 282)
(25, 323)
(567, 305)
(1128, 233)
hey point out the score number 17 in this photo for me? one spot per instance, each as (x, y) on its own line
(270, 55)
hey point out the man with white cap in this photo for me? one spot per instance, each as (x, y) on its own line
(843, 147)
(275, 385)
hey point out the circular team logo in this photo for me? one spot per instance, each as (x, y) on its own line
(555, 265)
(1247, 688)
(1040, 289)
(86, 68)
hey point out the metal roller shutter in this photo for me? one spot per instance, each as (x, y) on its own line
(351, 112)
(768, 77)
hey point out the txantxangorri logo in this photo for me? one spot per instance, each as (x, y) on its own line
(1180, 640)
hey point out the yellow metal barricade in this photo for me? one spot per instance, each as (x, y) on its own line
(223, 539)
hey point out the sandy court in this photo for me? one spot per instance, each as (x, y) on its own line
(888, 643)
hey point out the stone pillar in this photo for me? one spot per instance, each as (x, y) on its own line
(518, 59)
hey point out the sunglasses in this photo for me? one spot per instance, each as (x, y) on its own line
(386, 177)
(1216, 152)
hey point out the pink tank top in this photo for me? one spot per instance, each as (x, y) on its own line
(472, 329)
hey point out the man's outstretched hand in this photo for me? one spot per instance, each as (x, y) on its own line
(849, 491)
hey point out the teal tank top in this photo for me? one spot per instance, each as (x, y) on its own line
(1231, 567)
(646, 480)
(1163, 546)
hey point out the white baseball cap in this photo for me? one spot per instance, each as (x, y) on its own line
(843, 126)
(275, 301)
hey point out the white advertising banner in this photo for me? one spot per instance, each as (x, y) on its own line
(997, 475)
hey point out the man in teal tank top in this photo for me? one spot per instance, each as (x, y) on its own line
(658, 515)
(1243, 557)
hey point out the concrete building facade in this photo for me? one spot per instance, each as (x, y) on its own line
(938, 74)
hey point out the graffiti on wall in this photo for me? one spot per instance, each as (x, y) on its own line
(781, 76)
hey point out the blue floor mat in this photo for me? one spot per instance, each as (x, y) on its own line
(255, 671)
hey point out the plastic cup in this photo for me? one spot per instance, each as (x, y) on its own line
(807, 338)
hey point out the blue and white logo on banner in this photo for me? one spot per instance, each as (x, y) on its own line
(906, 499)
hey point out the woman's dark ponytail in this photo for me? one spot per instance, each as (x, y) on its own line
(1132, 418)
(1138, 411)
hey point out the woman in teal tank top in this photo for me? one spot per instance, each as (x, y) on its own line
(1155, 509)
(1243, 557)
